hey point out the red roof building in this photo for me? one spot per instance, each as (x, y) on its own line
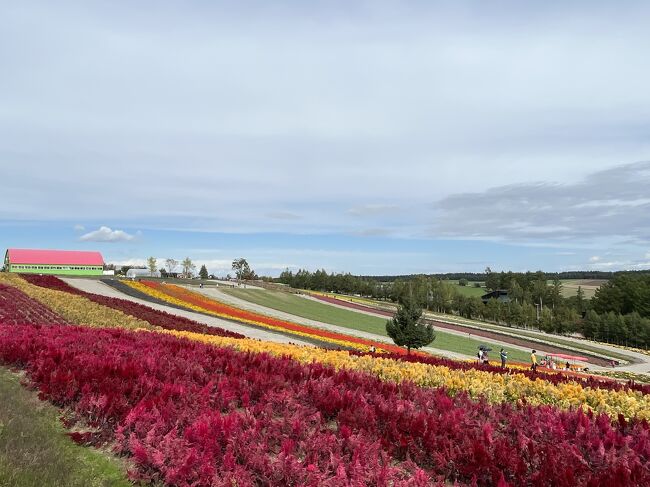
(66, 262)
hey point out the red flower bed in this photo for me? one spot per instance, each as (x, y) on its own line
(162, 319)
(17, 308)
(193, 414)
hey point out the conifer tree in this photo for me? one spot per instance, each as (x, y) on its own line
(203, 273)
(407, 330)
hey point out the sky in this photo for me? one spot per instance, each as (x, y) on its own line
(371, 137)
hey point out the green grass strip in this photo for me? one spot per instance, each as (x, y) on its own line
(353, 320)
(36, 452)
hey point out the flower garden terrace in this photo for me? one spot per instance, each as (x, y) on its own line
(185, 299)
(450, 336)
(194, 414)
(277, 413)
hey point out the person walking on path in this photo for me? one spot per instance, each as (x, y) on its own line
(504, 356)
(533, 361)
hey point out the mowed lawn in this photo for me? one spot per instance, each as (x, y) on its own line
(470, 291)
(36, 452)
(325, 313)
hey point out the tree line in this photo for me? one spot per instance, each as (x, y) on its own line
(480, 276)
(186, 269)
(619, 312)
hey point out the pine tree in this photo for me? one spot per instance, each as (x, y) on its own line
(405, 328)
(203, 272)
(580, 300)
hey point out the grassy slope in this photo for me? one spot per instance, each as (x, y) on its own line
(581, 345)
(326, 313)
(470, 290)
(585, 345)
(34, 450)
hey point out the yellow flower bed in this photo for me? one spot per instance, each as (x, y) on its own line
(496, 388)
(179, 302)
(75, 309)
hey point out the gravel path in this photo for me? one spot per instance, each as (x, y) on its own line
(215, 293)
(98, 287)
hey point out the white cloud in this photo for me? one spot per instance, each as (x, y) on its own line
(79, 228)
(594, 258)
(105, 234)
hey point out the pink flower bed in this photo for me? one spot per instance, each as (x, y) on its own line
(193, 414)
(162, 319)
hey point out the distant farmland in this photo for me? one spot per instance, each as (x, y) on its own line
(569, 287)
(589, 286)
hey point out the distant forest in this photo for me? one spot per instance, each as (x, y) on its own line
(482, 276)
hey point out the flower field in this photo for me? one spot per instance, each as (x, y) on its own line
(194, 301)
(192, 408)
(152, 316)
(494, 386)
(73, 308)
(195, 414)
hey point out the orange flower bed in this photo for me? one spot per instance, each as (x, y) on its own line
(236, 313)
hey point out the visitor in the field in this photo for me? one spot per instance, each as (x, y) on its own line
(533, 361)
(480, 356)
(504, 357)
(486, 360)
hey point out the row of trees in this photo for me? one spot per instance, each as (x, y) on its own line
(241, 267)
(628, 329)
(626, 293)
(320, 280)
(534, 301)
(481, 276)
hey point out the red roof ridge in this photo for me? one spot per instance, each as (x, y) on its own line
(55, 257)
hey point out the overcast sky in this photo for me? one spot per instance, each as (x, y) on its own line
(375, 137)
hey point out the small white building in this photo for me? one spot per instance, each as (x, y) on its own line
(133, 273)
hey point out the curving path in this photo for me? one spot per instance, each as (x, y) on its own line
(98, 287)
